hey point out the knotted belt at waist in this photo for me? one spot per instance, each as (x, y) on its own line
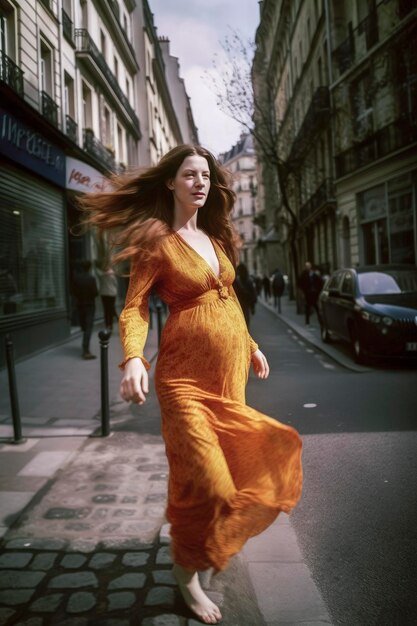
(219, 293)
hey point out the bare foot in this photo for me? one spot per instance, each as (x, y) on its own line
(194, 596)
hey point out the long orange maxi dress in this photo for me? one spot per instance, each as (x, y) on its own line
(232, 469)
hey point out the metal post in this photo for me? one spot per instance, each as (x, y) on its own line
(159, 320)
(104, 336)
(14, 399)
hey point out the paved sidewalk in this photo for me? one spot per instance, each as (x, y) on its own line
(85, 541)
(311, 333)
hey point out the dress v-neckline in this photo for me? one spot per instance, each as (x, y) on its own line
(188, 245)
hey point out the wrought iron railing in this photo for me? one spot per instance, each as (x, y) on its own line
(11, 74)
(84, 43)
(383, 142)
(67, 27)
(377, 25)
(324, 194)
(49, 108)
(95, 148)
(71, 128)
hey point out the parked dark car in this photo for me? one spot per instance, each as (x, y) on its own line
(374, 308)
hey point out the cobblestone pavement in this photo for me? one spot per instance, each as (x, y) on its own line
(115, 583)
(89, 550)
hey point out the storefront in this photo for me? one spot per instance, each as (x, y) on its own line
(388, 221)
(81, 178)
(33, 285)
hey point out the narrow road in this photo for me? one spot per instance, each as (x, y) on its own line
(357, 520)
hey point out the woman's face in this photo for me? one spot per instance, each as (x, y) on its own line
(191, 184)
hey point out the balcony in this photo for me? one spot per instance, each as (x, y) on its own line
(49, 108)
(87, 50)
(390, 138)
(323, 196)
(382, 21)
(11, 74)
(95, 148)
(316, 117)
(68, 27)
(71, 128)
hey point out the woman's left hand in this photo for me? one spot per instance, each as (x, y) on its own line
(260, 364)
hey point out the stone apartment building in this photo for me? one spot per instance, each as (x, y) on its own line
(241, 161)
(73, 109)
(344, 83)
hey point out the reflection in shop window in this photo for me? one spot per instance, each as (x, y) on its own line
(31, 260)
(401, 220)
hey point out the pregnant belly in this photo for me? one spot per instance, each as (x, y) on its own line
(203, 343)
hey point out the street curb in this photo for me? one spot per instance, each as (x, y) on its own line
(332, 354)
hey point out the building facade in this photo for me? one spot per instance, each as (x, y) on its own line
(72, 83)
(240, 160)
(344, 80)
(179, 96)
(161, 127)
(374, 95)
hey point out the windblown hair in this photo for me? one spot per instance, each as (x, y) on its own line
(139, 209)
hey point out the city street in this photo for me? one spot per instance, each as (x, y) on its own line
(357, 520)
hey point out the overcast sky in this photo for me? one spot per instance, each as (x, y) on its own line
(195, 28)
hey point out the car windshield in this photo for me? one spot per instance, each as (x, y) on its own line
(393, 281)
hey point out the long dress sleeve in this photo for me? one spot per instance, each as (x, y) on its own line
(134, 319)
(253, 345)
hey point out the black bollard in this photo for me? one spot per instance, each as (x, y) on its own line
(14, 399)
(104, 336)
(159, 320)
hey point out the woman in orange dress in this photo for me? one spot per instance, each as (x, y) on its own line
(232, 469)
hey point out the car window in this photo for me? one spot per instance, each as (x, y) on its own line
(334, 281)
(347, 284)
(377, 283)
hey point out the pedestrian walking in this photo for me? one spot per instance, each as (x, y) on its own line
(245, 292)
(85, 292)
(266, 286)
(232, 469)
(278, 288)
(310, 283)
(108, 292)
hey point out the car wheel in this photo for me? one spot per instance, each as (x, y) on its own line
(357, 347)
(325, 335)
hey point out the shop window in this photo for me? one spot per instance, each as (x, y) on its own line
(401, 220)
(372, 212)
(32, 250)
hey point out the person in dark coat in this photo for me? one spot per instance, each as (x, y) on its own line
(85, 292)
(310, 283)
(278, 287)
(245, 291)
(266, 286)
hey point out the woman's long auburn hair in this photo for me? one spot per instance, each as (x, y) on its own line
(139, 210)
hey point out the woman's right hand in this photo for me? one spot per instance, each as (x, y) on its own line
(135, 383)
